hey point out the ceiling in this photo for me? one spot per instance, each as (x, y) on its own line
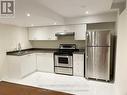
(49, 12)
(74, 8)
(39, 15)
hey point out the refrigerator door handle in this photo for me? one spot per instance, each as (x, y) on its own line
(87, 35)
(87, 38)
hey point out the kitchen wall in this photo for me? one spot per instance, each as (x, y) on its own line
(10, 36)
(55, 44)
(121, 58)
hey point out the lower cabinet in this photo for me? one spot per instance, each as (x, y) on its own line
(28, 65)
(45, 62)
(78, 65)
(21, 66)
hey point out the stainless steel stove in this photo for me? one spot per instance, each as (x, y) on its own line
(63, 59)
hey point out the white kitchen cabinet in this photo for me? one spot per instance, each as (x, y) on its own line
(42, 33)
(38, 33)
(48, 33)
(45, 33)
(28, 64)
(45, 62)
(55, 29)
(78, 65)
(80, 31)
(21, 66)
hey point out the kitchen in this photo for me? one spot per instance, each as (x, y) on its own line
(31, 49)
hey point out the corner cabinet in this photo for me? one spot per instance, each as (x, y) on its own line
(21, 66)
(28, 64)
(78, 65)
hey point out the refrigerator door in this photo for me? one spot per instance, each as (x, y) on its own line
(99, 38)
(98, 63)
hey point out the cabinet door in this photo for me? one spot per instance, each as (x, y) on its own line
(32, 62)
(80, 31)
(98, 63)
(45, 62)
(53, 30)
(78, 65)
(56, 29)
(28, 64)
(38, 33)
(14, 67)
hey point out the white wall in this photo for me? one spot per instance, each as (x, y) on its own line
(107, 17)
(10, 36)
(121, 58)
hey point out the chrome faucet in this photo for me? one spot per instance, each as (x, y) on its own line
(19, 47)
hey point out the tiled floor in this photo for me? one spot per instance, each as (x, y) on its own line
(71, 84)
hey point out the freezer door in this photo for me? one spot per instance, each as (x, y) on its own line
(98, 63)
(99, 38)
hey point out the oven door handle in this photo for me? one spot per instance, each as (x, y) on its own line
(63, 56)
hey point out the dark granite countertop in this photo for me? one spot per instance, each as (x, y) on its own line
(31, 50)
(39, 50)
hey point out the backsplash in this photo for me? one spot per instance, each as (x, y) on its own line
(55, 43)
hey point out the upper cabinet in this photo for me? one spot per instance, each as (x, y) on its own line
(48, 33)
(80, 31)
(41, 33)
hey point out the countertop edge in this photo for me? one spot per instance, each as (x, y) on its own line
(39, 50)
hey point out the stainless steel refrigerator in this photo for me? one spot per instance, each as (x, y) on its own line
(98, 55)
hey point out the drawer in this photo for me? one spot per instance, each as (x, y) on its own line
(67, 71)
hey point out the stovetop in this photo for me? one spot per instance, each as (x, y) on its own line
(65, 51)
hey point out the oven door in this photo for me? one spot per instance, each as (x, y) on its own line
(63, 61)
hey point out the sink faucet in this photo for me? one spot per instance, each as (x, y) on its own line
(19, 47)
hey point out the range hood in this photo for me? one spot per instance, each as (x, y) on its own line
(65, 34)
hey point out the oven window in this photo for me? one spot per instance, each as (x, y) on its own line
(63, 60)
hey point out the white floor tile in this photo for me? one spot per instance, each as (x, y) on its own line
(70, 84)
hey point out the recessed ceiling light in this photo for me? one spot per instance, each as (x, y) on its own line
(28, 14)
(32, 24)
(55, 23)
(87, 12)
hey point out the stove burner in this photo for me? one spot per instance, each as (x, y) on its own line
(66, 49)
